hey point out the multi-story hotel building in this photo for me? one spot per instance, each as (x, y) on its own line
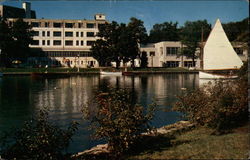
(59, 42)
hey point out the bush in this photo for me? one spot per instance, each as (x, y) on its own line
(37, 139)
(119, 121)
(221, 106)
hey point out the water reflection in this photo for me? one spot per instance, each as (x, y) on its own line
(65, 97)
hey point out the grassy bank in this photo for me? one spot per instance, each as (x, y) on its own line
(199, 143)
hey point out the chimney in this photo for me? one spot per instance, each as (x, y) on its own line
(27, 8)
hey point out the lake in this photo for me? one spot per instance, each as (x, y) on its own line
(22, 96)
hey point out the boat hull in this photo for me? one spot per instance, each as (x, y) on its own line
(205, 75)
(111, 73)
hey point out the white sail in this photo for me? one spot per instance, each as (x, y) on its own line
(218, 51)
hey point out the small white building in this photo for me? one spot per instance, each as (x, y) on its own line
(167, 54)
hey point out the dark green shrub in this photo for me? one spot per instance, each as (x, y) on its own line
(38, 139)
(119, 121)
(222, 105)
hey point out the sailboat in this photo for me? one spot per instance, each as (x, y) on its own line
(219, 57)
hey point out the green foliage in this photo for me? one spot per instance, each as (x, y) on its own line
(191, 36)
(14, 41)
(118, 120)
(38, 139)
(166, 31)
(119, 42)
(220, 106)
(237, 31)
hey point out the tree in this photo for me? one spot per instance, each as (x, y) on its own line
(6, 42)
(166, 31)
(22, 34)
(105, 50)
(191, 36)
(118, 120)
(119, 42)
(138, 35)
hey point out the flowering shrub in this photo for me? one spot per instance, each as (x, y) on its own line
(38, 139)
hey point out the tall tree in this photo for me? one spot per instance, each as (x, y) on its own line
(191, 36)
(105, 50)
(22, 34)
(166, 31)
(138, 35)
(6, 42)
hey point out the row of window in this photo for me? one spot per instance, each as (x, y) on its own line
(64, 25)
(59, 43)
(173, 64)
(67, 54)
(59, 34)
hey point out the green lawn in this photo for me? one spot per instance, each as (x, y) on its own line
(199, 143)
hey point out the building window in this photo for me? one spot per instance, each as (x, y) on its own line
(48, 33)
(77, 34)
(81, 43)
(79, 25)
(171, 64)
(69, 25)
(35, 33)
(152, 53)
(57, 34)
(57, 25)
(35, 24)
(68, 43)
(43, 33)
(172, 50)
(68, 34)
(81, 34)
(239, 51)
(35, 42)
(57, 42)
(90, 25)
(43, 42)
(77, 43)
(48, 42)
(90, 34)
(89, 43)
(46, 24)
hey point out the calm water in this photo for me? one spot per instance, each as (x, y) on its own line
(20, 97)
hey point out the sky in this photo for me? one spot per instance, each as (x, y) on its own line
(149, 11)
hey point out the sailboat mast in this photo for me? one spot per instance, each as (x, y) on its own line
(201, 50)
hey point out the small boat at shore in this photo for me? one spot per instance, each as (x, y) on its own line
(219, 58)
(111, 73)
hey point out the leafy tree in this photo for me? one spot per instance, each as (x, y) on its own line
(237, 31)
(119, 121)
(6, 42)
(138, 35)
(191, 36)
(38, 139)
(106, 50)
(22, 34)
(119, 42)
(166, 31)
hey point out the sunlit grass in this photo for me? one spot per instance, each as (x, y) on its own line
(199, 143)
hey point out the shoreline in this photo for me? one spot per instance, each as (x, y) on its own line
(96, 73)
